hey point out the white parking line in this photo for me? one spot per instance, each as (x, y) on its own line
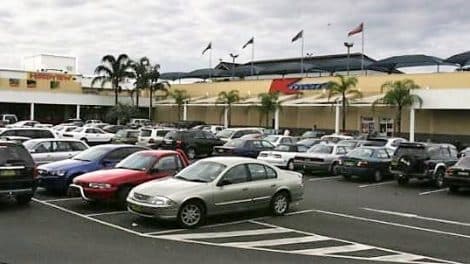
(394, 224)
(435, 191)
(62, 199)
(164, 232)
(325, 178)
(108, 213)
(300, 212)
(263, 231)
(417, 217)
(376, 184)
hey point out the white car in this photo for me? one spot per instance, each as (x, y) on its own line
(93, 121)
(283, 155)
(276, 140)
(43, 125)
(89, 135)
(233, 133)
(335, 138)
(25, 123)
(152, 137)
(49, 150)
(64, 129)
(321, 158)
(214, 129)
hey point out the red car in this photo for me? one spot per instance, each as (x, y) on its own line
(114, 184)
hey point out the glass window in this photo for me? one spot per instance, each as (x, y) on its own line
(167, 163)
(257, 144)
(257, 172)
(301, 148)
(341, 150)
(198, 134)
(62, 146)
(98, 131)
(381, 154)
(320, 148)
(161, 133)
(44, 147)
(237, 134)
(14, 155)
(120, 154)
(271, 174)
(201, 171)
(237, 174)
(283, 148)
(44, 134)
(286, 141)
(89, 131)
(137, 161)
(237, 143)
(445, 152)
(361, 153)
(273, 138)
(77, 146)
(145, 132)
(266, 144)
(209, 135)
(226, 133)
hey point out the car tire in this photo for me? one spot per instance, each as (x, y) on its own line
(191, 153)
(453, 189)
(280, 203)
(23, 199)
(191, 214)
(403, 180)
(290, 165)
(377, 177)
(122, 194)
(334, 169)
(439, 178)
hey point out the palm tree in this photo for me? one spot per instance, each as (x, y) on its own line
(398, 95)
(228, 98)
(344, 86)
(180, 96)
(115, 71)
(156, 85)
(269, 104)
(141, 69)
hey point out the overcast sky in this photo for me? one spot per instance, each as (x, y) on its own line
(173, 33)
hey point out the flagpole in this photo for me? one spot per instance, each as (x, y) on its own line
(210, 62)
(362, 56)
(302, 55)
(252, 57)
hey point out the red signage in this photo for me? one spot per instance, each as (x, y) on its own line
(282, 85)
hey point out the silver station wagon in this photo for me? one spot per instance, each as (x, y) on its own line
(217, 185)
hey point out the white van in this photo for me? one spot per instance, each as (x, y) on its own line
(152, 137)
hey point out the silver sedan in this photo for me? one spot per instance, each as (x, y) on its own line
(217, 185)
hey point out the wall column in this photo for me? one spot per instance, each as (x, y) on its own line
(337, 113)
(276, 120)
(77, 112)
(185, 111)
(412, 124)
(226, 117)
(31, 111)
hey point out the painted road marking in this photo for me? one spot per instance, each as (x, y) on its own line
(333, 250)
(62, 199)
(300, 212)
(325, 178)
(226, 234)
(435, 191)
(417, 217)
(108, 213)
(275, 242)
(376, 184)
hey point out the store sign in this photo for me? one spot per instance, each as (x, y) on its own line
(291, 86)
(49, 76)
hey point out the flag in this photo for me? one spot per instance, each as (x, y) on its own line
(207, 48)
(356, 30)
(299, 35)
(251, 41)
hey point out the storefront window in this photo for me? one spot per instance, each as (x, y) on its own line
(31, 83)
(55, 84)
(367, 125)
(14, 82)
(386, 127)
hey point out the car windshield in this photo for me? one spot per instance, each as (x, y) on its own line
(463, 162)
(78, 130)
(121, 133)
(272, 138)
(414, 151)
(361, 153)
(226, 133)
(30, 144)
(309, 134)
(347, 143)
(145, 132)
(284, 148)
(236, 143)
(202, 171)
(92, 154)
(137, 161)
(14, 155)
(320, 148)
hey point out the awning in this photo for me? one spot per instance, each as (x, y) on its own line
(392, 63)
(462, 59)
(206, 73)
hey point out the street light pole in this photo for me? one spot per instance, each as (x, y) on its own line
(234, 56)
(348, 45)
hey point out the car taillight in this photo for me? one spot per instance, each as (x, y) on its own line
(362, 163)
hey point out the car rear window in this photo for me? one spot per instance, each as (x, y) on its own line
(145, 132)
(15, 155)
(173, 135)
(415, 151)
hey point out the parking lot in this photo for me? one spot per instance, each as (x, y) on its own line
(337, 222)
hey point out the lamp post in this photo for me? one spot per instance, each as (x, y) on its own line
(234, 56)
(348, 45)
(309, 55)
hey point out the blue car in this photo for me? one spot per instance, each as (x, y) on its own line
(57, 176)
(243, 147)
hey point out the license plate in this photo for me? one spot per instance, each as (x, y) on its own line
(7, 173)
(349, 163)
(462, 173)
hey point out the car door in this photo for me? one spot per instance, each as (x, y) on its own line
(383, 160)
(42, 152)
(100, 135)
(263, 184)
(199, 142)
(164, 167)
(62, 150)
(232, 191)
(90, 134)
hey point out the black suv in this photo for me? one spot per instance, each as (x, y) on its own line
(17, 172)
(193, 142)
(422, 161)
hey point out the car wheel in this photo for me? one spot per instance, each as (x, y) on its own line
(280, 203)
(453, 189)
(439, 178)
(191, 153)
(334, 169)
(122, 195)
(402, 180)
(290, 165)
(23, 199)
(378, 176)
(191, 214)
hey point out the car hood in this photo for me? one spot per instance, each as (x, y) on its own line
(110, 176)
(63, 164)
(169, 187)
(315, 155)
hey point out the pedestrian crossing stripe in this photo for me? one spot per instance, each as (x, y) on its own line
(347, 249)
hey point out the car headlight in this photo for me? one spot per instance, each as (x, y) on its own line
(96, 185)
(161, 201)
(59, 173)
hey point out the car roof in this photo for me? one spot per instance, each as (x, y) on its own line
(116, 146)
(39, 140)
(159, 152)
(231, 161)
(243, 128)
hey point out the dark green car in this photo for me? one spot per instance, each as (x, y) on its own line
(126, 136)
(366, 163)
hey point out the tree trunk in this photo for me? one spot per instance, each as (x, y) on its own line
(116, 92)
(344, 111)
(137, 91)
(267, 119)
(151, 105)
(229, 116)
(399, 121)
(179, 112)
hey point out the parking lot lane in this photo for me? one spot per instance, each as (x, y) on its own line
(377, 184)
(86, 208)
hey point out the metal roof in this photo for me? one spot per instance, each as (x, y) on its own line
(392, 63)
(462, 59)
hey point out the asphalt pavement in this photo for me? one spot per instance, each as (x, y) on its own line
(337, 222)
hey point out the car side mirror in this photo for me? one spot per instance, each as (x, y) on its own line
(224, 182)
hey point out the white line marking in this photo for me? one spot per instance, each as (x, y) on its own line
(435, 191)
(108, 213)
(376, 184)
(325, 178)
(333, 250)
(418, 217)
(393, 224)
(62, 199)
(164, 232)
(300, 212)
(276, 242)
(401, 257)
(227, 234)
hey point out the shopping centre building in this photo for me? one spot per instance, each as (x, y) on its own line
(52, 96)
